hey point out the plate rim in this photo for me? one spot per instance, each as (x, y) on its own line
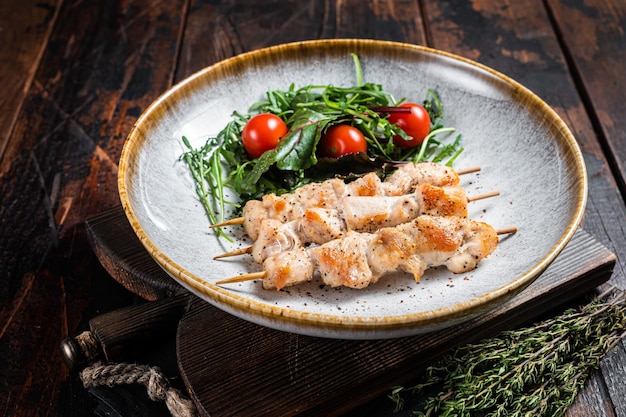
(329, 323)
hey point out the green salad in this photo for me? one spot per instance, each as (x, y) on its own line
(312, 133)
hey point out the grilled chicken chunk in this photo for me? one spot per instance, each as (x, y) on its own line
(358, 213)
(405, 178)
(287, 268)
(321, 225)
(328, 194)
(275, 237)
(360, 259)
(343, 262)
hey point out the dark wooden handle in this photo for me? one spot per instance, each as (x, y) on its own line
(125, 334)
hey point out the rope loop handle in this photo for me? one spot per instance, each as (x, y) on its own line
(151, 377)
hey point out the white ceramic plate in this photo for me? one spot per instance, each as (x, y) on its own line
(525, 151)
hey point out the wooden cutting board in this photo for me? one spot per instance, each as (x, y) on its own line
(232, 367)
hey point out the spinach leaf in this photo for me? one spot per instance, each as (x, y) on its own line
(296, 150)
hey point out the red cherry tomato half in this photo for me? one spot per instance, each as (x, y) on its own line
(262, 133)
(415, 124)
(342, 140)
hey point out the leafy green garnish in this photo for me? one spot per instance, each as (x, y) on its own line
(308, 112)
(532, 371)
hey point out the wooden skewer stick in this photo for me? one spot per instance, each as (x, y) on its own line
(483, 196)
(507, 230)
(236, 252)
(231, 222)
(469, 170)
(241, 278)
(261, 275)
(240, 220)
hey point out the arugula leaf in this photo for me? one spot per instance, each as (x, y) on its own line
(262, 164)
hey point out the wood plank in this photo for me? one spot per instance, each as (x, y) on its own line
(613, 368)
(115, 244)
(128, 334)
(593, 36)
(586, 403)
(103, 65)
(23, 39)
(233, 29)
(221, 357)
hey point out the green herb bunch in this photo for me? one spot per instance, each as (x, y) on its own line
(534, 371)
(308, 112)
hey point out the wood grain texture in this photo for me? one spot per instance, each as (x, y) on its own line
(233, 356)
(128, 333)
(613, 368)
(74, 123)
(23, 39)
(586, 403)
(219, 30)
(59, 167)
(594, 38)
(119, 251)
(592, 34)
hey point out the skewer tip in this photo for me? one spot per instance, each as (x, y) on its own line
(507, 230)
(231, 222)
(235, 252)
(463, 171)
(483, 196)
(242, 278)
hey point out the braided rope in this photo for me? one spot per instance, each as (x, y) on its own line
(157, 386)
(88, 345)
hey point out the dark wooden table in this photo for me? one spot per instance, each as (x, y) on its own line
(75, 75)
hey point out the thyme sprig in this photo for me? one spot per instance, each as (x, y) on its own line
(533, 371)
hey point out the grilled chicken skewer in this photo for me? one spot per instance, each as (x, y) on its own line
(360, 259)
(326, 194)
(361, 214)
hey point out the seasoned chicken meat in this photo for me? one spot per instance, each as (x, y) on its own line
(360, 259)
(275, 237)
(287, 268)
(344, 262)
(360, 214)
(327, 194)
(405, 178)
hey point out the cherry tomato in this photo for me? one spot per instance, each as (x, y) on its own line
(342, 140)
(415, 124)
(262, 133)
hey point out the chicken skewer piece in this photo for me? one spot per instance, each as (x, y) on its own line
(361, 214)
(361, 259)
(248, 250)
(287, 207)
